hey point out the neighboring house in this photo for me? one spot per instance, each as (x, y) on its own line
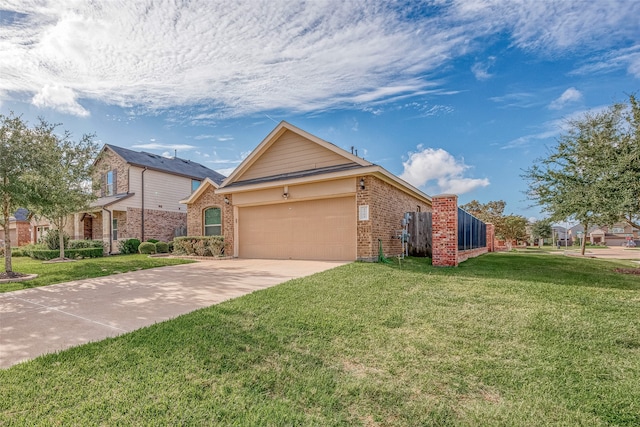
(614, 235)
(20, 230)
(297, 196)
(139, 197)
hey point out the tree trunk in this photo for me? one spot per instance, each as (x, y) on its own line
(7, 235)
(60, 223)
(583, 244)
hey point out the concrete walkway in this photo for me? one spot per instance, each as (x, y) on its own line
(52, 318)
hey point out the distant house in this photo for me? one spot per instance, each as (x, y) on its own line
(139, 197)
(297, 196)
(613, 235)
(19, 229)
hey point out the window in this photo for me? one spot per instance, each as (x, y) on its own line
(194, 185)
(212, 222)
(109, 190)
(114, 229)
(617, 230)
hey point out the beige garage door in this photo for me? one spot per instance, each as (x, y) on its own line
(316, 229)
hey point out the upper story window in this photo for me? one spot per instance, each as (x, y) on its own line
(110, 181)
(194, 185)
(617, 230)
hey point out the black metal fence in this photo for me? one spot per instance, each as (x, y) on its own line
(472, 233)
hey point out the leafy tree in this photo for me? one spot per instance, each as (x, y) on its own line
(63, 181)
(577, 180)
(541, 229)
(513, 227)
(490, 212)
(19, 156)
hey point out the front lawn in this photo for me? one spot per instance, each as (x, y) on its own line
(50, 273)
(511, 339)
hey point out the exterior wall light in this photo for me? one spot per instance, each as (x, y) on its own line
(226, 200)
(362, 183)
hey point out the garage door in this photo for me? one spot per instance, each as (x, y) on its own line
(316, 229)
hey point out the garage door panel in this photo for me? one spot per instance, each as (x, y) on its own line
(316, 229)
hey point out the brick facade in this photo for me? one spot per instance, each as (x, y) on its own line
(159, 225)
(107, 161)
(445, 234)
(195, 216)
(387, 206)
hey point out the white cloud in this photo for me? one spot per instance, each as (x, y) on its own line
(59, 98)
(481, 69)
(240, 57)
(439, 169)
(158, 146)
(568, 96)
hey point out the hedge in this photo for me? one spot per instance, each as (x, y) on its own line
(147, 248)
(162, 247)
(85, 244)
(199, 245)
(46, 254)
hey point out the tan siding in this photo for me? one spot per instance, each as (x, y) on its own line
(314, 190)
(292, 153)
(323, 229)
(163, 191)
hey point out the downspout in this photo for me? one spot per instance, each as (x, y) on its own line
(110, 230)
(142, 215)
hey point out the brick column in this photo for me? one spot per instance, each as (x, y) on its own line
(445, 230)
(491, 236)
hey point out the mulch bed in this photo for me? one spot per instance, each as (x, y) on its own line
(635, 271)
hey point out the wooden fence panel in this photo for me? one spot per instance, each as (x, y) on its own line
(419, 229)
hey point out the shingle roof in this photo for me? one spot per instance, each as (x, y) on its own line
(175, 165)
(297, 174)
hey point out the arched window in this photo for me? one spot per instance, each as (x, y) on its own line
(212, 222)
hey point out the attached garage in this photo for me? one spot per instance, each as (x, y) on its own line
(323, 229)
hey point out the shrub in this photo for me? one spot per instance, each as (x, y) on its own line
(52, 239)
(17, 252)
(129, 246)
(199, 245)
(47, 254)
(153, 240)
(147, 248)
(85, 244)
(162, 247)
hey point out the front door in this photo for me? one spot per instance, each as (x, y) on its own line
(88, 228)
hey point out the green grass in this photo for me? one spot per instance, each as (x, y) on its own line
(506, 339)
(50, 273)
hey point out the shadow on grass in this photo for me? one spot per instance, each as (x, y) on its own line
(533, 267)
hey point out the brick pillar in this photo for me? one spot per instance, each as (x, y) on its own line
(491, 236)
(445, 230)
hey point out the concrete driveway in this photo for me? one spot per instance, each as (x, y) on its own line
(52, 318)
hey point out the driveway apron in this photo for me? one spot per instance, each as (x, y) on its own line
(52, 318)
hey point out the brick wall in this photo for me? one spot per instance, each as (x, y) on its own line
(445, 234)
(387, 206)
(111, 161)
(445, 230)
(195, 216)
(158, 224)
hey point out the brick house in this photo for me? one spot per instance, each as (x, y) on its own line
(297, 196)
(139, 197)
(19, 229)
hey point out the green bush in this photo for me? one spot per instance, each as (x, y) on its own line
(16, 252)
(52, 239)
(153, 240)
(129, 246)
(199, 245)
(162, 247)
(147, 248)
(85, 244)
(47, 254)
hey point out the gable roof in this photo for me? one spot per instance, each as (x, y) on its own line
(175, 166)
(208, 182)
(274, 135)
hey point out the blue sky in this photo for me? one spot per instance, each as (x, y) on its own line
(453, 96)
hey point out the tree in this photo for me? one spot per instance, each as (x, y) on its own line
(490, 212)
(513, 227)
(577, 180)
(19, 155)
(541, 229)
(63, 183)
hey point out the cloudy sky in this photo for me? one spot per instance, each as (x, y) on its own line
(453, 96)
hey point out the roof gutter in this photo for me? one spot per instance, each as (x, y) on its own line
(142, 204)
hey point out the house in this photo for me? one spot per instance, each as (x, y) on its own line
(19, 229)
(297, 196)
(139, 197)
(613, 235)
